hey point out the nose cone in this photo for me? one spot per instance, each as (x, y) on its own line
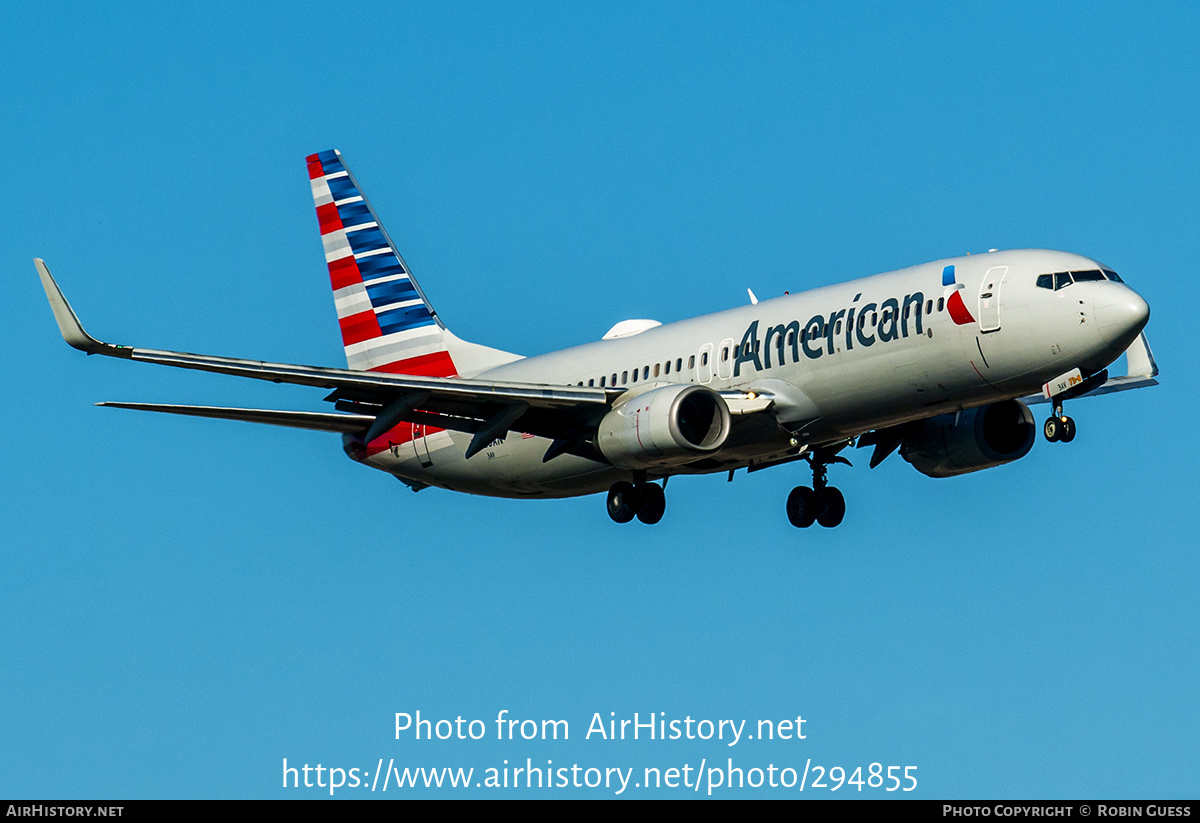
(1120, 311)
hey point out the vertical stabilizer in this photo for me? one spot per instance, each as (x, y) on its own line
(386, 321)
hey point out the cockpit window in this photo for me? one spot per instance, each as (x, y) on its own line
(1062, 279)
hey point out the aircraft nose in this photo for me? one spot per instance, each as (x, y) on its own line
(1120, 311)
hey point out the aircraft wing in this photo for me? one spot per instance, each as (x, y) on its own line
(486, 408)
(1141, 371)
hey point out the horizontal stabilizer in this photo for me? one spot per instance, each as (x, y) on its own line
(317, 421)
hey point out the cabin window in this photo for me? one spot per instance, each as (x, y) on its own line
(592, 383)
(679, 364)
(601, 381)
(724, 354)
(691, 362)
(614, 379)
(656, 368)
(625, 376)
(929, 307)
(941, 302)
(704, 359)
(645, 372)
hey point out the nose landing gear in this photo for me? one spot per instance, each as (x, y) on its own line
(1058, 427)
(822, 503)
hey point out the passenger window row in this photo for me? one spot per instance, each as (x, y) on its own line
(644, 372)
(676, 366)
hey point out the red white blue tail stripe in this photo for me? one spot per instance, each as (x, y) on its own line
(387, 324)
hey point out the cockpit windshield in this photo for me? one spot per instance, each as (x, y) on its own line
(1062, 279)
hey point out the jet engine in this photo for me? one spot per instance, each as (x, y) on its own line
(970, 440)
(667, 426)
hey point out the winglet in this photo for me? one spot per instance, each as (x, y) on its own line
(1140, 359)
(68, 323)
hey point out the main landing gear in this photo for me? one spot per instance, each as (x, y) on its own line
(1058, 427)
(643, 500)
(821, 504)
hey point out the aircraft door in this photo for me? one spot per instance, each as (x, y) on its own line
(421, 445)
(704, 364)
(989, 298)
(725, 359)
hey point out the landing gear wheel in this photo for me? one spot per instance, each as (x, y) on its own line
(1068, 430)
(1053, 429)
(653, 503)
(821, 504)
(832, 505)
(802, 507)
(622, 502)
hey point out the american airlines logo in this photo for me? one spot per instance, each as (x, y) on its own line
(893, 319)
(866, 325)
(954, 302)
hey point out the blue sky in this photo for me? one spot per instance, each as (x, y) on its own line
(189, 602)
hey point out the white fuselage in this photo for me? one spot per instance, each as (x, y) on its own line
(870, 353)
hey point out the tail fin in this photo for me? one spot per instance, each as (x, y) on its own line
(387, 323)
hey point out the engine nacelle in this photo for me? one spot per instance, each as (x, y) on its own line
(667, 426)
(979, 439)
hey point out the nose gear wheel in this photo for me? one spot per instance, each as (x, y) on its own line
(1059, 428)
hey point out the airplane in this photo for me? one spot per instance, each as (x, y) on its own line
(939, 361)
